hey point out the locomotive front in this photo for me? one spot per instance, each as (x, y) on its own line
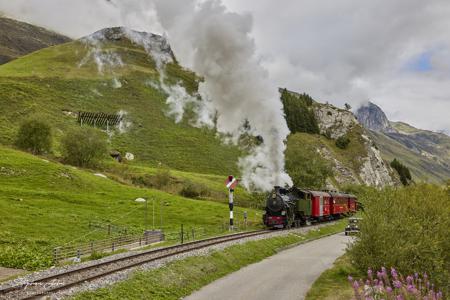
(276, 208)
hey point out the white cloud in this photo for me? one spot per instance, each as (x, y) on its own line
(336, 50)
(352, 51)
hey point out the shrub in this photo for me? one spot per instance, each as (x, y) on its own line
(305, 165)
(24, 256)
(342, 142)
(402, 170)
(35, 136)
(143, 180)
(162, 177)
(84, 146)
(406, 228)
(194, 190)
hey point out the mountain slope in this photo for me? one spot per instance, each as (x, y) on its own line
(421, 167)
(426, 153)
(19, 38)
(57, 82)
(358, 163)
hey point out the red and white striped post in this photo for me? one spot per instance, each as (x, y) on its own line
(231, 183)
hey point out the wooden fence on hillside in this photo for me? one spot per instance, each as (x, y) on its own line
(108, 245)
(100, 120)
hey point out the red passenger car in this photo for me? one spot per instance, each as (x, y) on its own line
(352, 206)
(339, 203)
(320, 204)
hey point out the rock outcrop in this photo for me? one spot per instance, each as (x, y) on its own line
(373, 171)
(334, 122)
(372, 117)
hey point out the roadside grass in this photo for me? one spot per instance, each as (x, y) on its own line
(180, 278)
(333, 283)
(44, 204)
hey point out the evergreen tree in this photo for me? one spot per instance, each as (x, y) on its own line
(402, 170)
(299, 113)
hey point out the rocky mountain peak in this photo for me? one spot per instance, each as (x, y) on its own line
(372, 117)
(156, 45)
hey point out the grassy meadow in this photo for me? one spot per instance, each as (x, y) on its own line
(44, 204)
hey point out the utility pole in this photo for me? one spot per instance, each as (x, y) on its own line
(153, 216)
(160, 213)
(146, 214)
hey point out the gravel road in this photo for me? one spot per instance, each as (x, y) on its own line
(286, 275)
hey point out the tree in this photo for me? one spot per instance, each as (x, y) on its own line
(402, 170)
(84, 146)
(35, 136)
(299, 113)
(305, 165)
(347, 106)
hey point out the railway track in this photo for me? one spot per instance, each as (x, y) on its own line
(46, 286)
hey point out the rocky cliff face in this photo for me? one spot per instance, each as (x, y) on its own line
(375, 171)
(371, 169)
(372, 117)
(334, 122)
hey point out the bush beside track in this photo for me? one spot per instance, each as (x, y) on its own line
(405, 228)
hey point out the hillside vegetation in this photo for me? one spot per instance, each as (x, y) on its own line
(45, 204)
(52, 84)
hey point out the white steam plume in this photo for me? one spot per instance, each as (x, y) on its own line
(215, 44)
(105, 59)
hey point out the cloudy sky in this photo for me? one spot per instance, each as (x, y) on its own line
(393, 53)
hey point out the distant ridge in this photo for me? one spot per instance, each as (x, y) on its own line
(425, 152)
(20, 38)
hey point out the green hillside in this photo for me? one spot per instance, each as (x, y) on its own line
(422, 168)
(51, 83)
(45, 204)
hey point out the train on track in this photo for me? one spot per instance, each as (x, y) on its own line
(294, 207)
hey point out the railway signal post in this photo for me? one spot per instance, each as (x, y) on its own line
(231, 183)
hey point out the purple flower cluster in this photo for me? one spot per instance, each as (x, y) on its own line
(392, 286)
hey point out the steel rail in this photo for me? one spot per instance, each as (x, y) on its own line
(156, 254)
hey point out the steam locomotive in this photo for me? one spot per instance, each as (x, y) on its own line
(294, 207)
